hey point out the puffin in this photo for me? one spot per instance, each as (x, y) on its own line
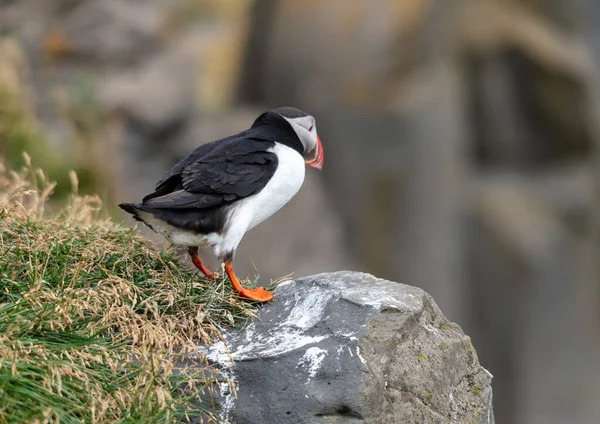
(224, 188)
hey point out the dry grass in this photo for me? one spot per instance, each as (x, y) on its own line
(93, 320)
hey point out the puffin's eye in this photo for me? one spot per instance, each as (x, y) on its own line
(311, 127)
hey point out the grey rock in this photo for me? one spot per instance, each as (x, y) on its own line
(113, 31)
(349, 347)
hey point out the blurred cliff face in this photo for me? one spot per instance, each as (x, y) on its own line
(461, 139)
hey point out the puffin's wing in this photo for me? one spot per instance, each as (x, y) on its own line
(178, 168)
(227, 173)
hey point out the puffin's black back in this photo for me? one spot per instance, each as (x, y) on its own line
(270, 126)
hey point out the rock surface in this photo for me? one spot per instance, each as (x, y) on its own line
(349, 347)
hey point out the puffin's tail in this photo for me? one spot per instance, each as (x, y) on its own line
(131, 208)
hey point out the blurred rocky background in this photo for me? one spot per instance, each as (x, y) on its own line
(462, 144)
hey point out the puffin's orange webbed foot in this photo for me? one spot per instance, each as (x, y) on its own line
(259, 294)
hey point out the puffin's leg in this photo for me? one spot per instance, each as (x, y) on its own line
(258, 293)
(193, 251)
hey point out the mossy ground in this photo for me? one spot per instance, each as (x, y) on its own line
(93, 319)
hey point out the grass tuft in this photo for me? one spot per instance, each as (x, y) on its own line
(94, 320)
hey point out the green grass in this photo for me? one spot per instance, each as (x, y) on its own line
(93, 320)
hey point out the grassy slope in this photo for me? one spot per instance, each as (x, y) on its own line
(93, 319)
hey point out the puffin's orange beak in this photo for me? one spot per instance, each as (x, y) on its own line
(317, 159)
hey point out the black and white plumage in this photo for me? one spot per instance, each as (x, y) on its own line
(224, 188)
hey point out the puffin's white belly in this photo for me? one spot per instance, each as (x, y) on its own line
(173, 234)
(251, 211)
(280, 189)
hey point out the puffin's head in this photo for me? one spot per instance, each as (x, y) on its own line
(305, 129)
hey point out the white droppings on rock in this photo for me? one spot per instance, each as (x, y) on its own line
(453, 407)
(367, 290)
(219, 353)
(286, 283)
(368, 297)
(282, 337)
(359, 356)
(228, 397)
(308, 310)
(349, 336)
(490, 408)
(274, 344)
(312, 360)
(249, 333)
(431, 329)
